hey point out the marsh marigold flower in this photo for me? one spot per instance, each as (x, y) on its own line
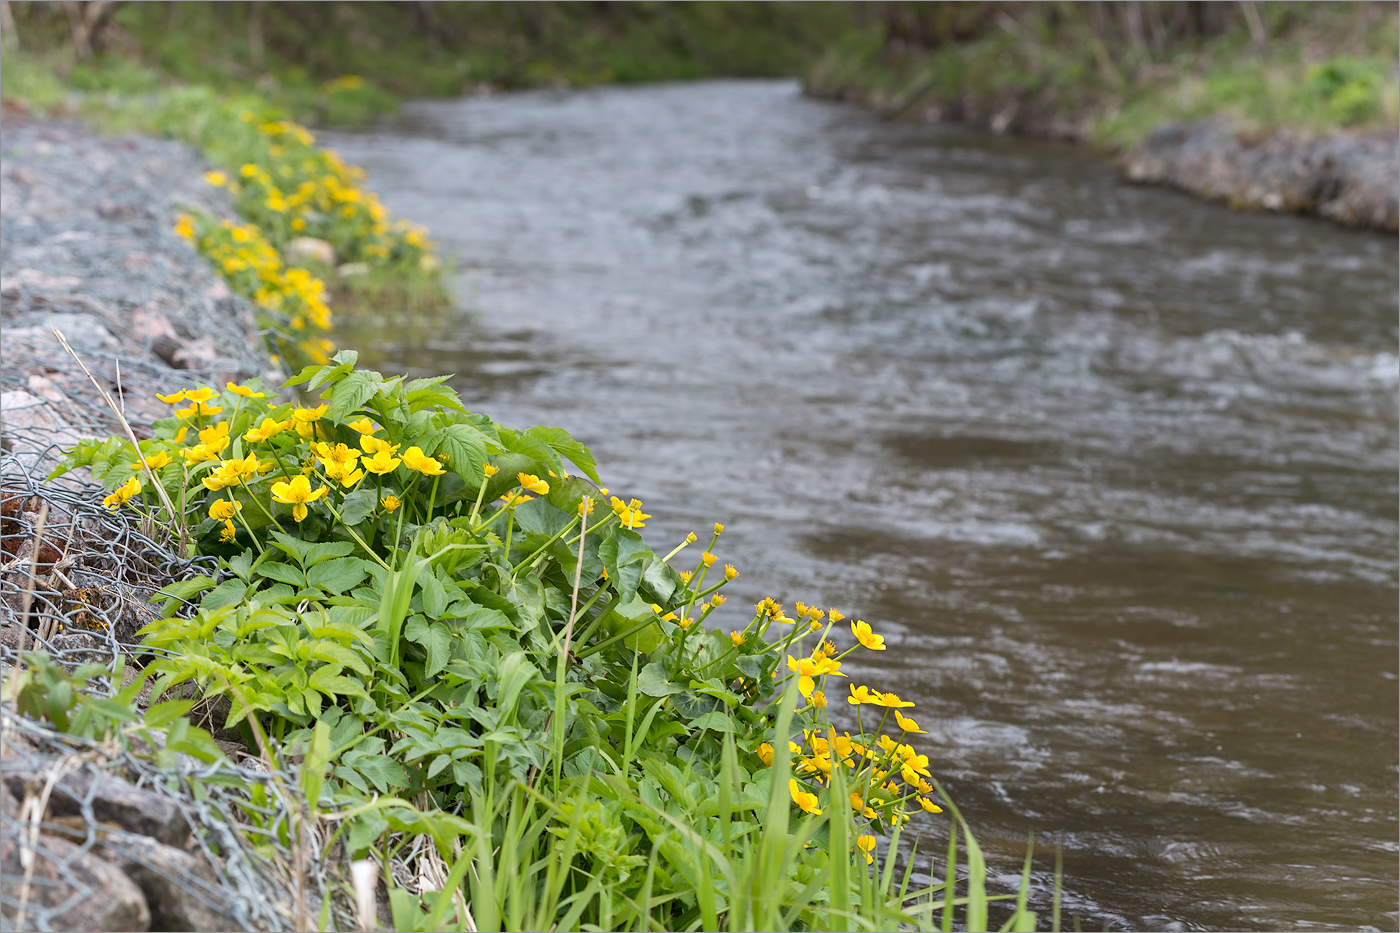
(729, 572)
(245, 391)
(122, 494)
(533, 483)
(862, 695)
(737, 637)
(806, 800)
(907, 724)
(382, 462)
(765, 754)
(708, 559)
(861, 630)
(224, 509)
(156, 461)
(297, 493)
(929, 806)
(892, 701)
(866, 844)
(228, 532)
(489, 470)
(269, 428)
(305, 419)
(364, 426)
(416, 460)
(390, 503)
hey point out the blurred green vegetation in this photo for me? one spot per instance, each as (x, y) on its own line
(1110, 72)
(293, 52)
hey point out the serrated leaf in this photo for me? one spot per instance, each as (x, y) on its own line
(530, 446)
(351, 393)
(562, 442)
(284, 573)
(434, 594)
(465, 448)
(435, 639)
(337, 575)
(717, 721)
(228, 593)
(359, 505)
(539, 517)
(653, 682)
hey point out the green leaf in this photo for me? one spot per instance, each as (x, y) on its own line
(539, 517)
(359, 505)
(308, 553)
(162, 713)
(228, 593)
(563, 443)
(530, 446)
(653, 682)
(284, 573)
(181, 591)
(465, 447)
(313, 766)
(337, 575)
(383, 772)
(435, 639)
(351, 393)
(434, 594)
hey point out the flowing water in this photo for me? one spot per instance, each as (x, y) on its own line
(1114, 470)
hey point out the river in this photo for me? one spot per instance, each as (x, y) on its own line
(1114, 471)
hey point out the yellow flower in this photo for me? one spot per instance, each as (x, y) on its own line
(373, 445)
(802, 609)
(719, 529)
(585, 506)
(390, 503)
(892, 701)
(819, 700)
(122, 494)
(415, 459)
(708, 559)
(339, 454)
(382, 462)
(929, 806)
(686, 623)
(489, 471)
(202, 394)
(533, 483)
(245, 391)
(858, 805)
(223, 510)
(729, 572)
(305, 419)
(269, 428)
(200, 453)
(346, 472)
(836, 616)
(217, 179)
(198, 409)
(866, 844)
(861, 695)
(808, 669)
(815, 625)
(364, 426)
(908, 725)
(157, 461)
(765, 754)
(228, 532)
(737, 637)
(630, 514)
(804, 799)
(296, 493)
(861, 630)
(173, 399)
(685, 575)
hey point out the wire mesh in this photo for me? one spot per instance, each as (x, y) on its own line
(77, 581)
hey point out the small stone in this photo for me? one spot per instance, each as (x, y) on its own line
(312, 249)
(113, 801)
(87, 893)
(352, 268)
(180, 887)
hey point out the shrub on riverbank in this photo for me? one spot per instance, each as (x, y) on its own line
(464, 640)
(1113, 73)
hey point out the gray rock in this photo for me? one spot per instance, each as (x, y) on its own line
(179, 887)
(113, 801)
(71, 888)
